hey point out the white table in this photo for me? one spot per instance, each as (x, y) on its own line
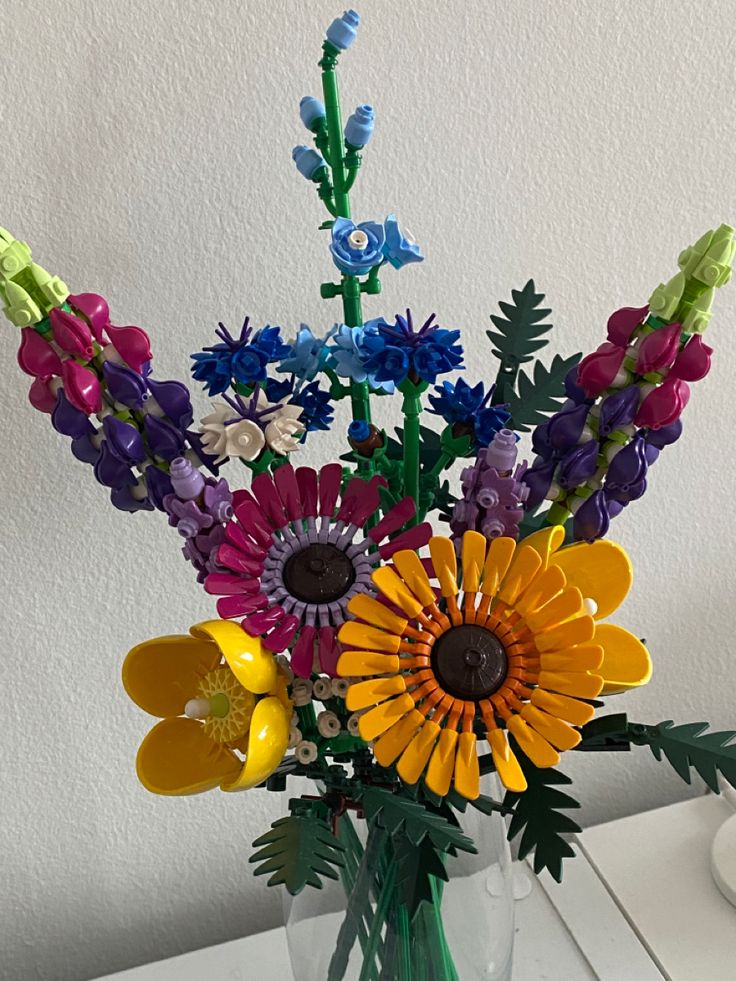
(638, 904)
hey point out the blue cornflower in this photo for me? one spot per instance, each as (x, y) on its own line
(432, 350)
(385, 362)
(315, 403)
(399, 248)
(348, 355)
(306, 356)
(356, 248)
(490, 421)
(243, 358)
(458, 402)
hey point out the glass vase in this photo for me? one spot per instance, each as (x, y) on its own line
(360, 927)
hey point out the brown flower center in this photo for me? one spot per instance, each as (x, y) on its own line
(319, 573)
(469, 662)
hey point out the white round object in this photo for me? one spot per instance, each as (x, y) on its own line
(328, 724)
(358, 239)
(197, 708)
(723, 859)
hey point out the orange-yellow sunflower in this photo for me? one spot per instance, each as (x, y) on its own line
(520, 652)
(219, 694)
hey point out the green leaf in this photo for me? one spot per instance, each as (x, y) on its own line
(400, 815)
(298, 851)
(540, 395)
(688, 745)
(537, 817)
(517, 333)
(416, 865)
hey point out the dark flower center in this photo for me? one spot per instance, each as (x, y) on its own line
(320, 573)
(469, 662)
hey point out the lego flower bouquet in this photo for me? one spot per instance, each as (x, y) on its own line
(390, 637)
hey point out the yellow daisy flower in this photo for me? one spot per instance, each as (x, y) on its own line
(520, 652)
(204, 687)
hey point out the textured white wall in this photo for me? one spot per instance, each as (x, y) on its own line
(146, 154)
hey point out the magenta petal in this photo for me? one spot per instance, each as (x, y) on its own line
(413, 538)
(664, 405)
(302, 657)
(329, 651)
(233, 558)
(71, 334)
(394, 519)
(239, 496)
(263, 620)
(94, 309)
(306, 479)
(622, 324)
(132, 344)
(238, 606)
(264, 490)
(280, 637)
(597, 371)
(330, 480)
(237, 537)
(286, 485)
(693, 362)
(658, 350)
(360, 500)
(36, 356)
(81, 387)
(252, 519)
(40, 396)
(225, 584)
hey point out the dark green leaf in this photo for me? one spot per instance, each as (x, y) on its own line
(415, 867)
(540, 395)
(298, 850)
(400, 815)
(688, 745)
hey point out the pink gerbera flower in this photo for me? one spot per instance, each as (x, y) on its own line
(297, 551)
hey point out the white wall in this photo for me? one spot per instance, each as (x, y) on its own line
(146, 154)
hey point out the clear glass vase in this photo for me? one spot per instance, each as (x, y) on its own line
(359, 929)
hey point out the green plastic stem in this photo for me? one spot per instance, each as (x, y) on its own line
(411, 408)
(374, 937)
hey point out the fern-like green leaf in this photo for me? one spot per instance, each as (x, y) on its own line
(539, 395)
(400, 815)
(688, 745)
(517, 337)
(537, 817)
(416, 865)
(298, 851)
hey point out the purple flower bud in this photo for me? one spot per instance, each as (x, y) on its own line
(628, 466)
(123, 500)
(124, 440)
(187, 481)
(618, 410)
(538, 479)
(84, 449)
(173, 397)
(68, 420)
(614, 507)
(591, 520)
(651, 453)
(110, 471)
(578, 465)
(624, 494)
(566, 427)
(125, 385)
(159, 486)
(163, 438)
(664, 436)
(540, 441)
(572, 389)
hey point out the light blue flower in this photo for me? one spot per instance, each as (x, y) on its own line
(311, 112)
(343, 30)
(348, 356)
(307, 355)
(308, 162)
(399, 248)
(359, 127)
(356, 248)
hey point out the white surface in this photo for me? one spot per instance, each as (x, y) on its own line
(147, 155)
(544, 951)
(656, 866)
(723, 859)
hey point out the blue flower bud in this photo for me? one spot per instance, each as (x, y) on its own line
(359, 430)
(342, 32)
(311, 111)
(307, 161)
(359, 128)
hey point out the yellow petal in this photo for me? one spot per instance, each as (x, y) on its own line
(252, 664)
(414, 758)
(414, 575)
(559, 733)
(442, 763)
(626, 661)
(524, 568)
(161, 675)
(353, 633)
(575, 683)
(473, 559)
(569, 709)
(371, 692)
(267, 742)
(544, 588)
(396, 735)
(353, 664)
(601, 571)
(367, 608)
(536, 747)
(500, 553)
(444, 561)
(584, 657)
(546, 541)
(467, 768)
(578, 631)
(176, 757)
(564, 606)
(507, 766)
(396, 591)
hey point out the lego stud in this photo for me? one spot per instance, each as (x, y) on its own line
(197, 708)
(358, 239)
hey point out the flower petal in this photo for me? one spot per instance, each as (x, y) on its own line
(416, 755)
(267, 742)
(583, 657)
(356, 634)
(396, 591)
(367, 608)
(415, 576)
(390, 721)
(570, 709)
(176, 757)
(467, 767)
(601, 571)
(161, 675)
(473, 560)
(578, 631)
(364, 663)
(250, 662)
(524, 568)
(371, 692)
(579, 684)
(442, 763)
(559, 733)
(626, 661)
(507, 766)
(500, 553)
(546, 541)
(564, 606)
(444, 561)
(536, 747)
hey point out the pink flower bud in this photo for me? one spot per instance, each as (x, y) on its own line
(36, 356)
(40, 395)
(659, 350)
(81, 387)
(71, 334)
(664, 404)
(622, 324)
(598, 370)
(132, 344)
(95, 311)
(693, 361)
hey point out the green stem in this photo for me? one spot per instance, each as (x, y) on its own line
(444, 460)
(374, 937)
(449, 971)
(411, 408)
(328, 64)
